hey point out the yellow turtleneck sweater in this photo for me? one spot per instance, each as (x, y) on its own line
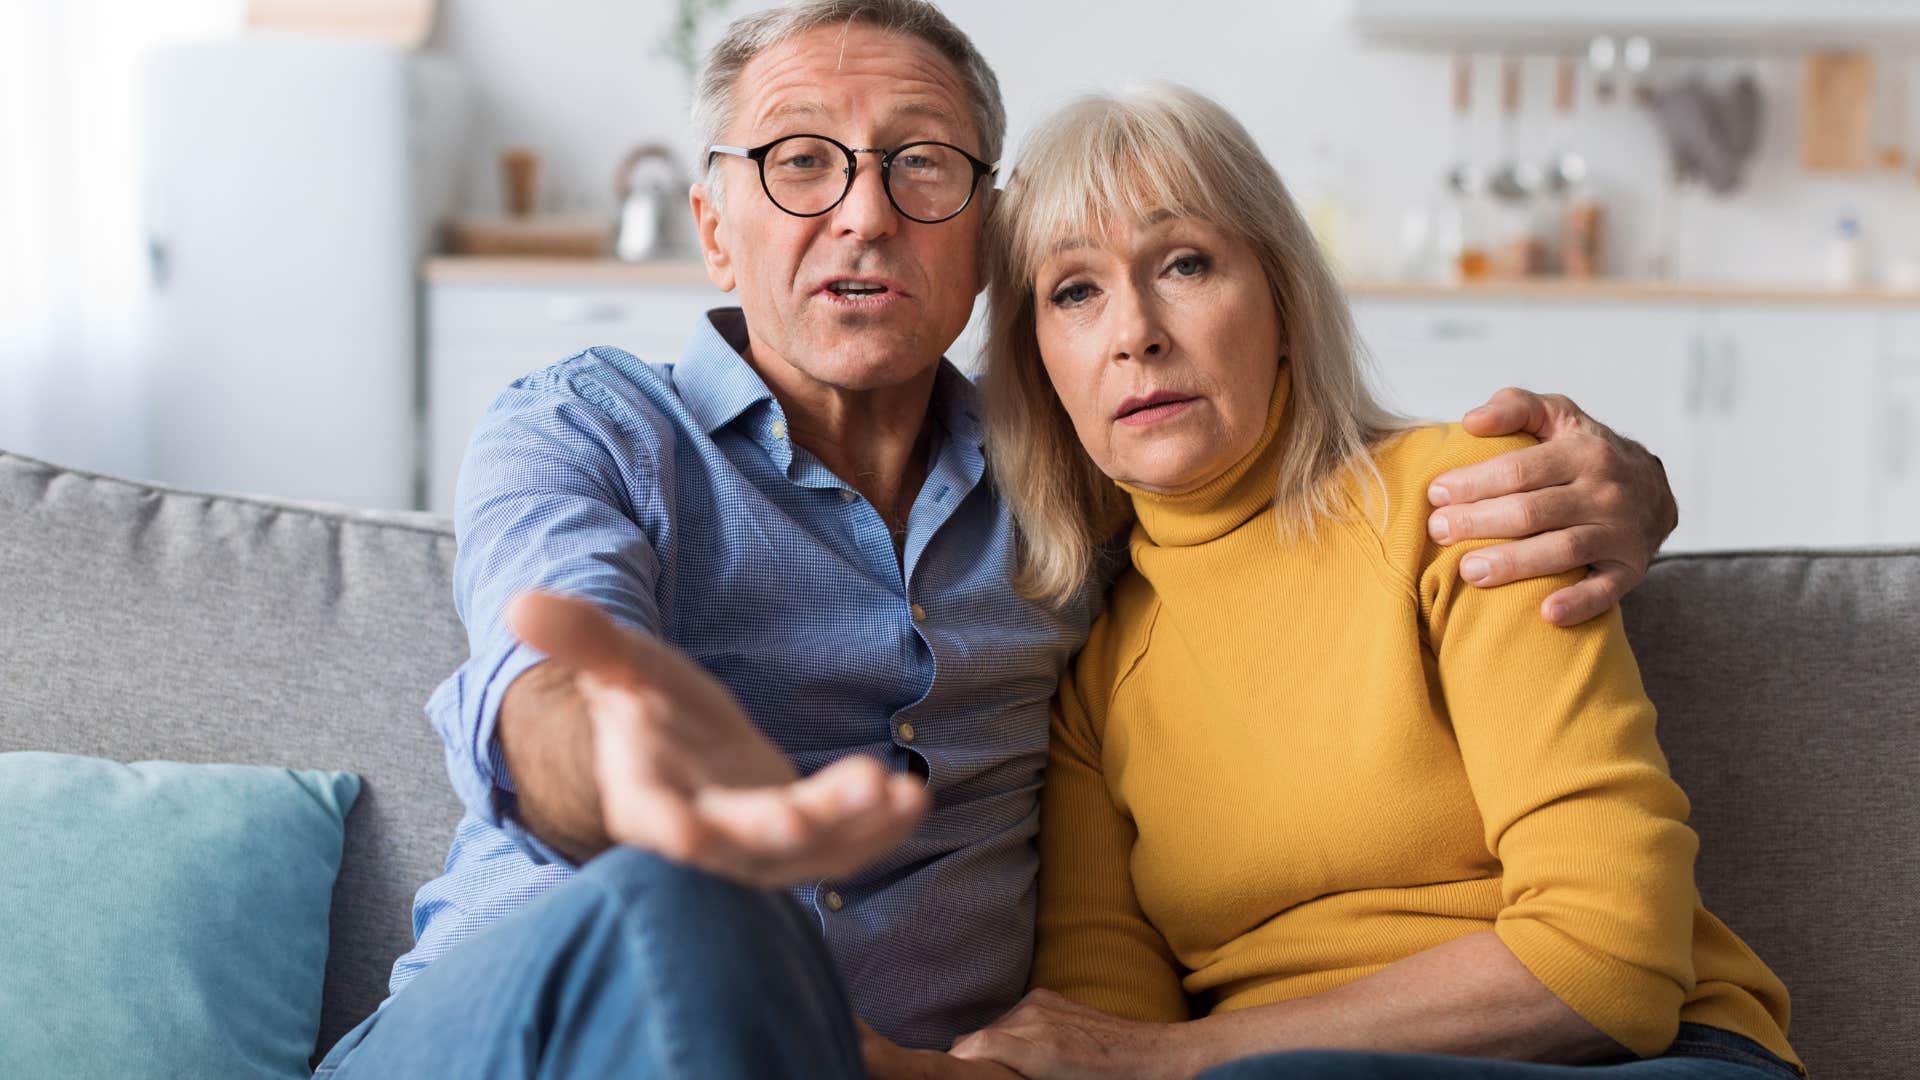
(1281, 765)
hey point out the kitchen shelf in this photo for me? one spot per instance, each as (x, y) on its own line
(1676, 25)
(490, 270)
(1622, 290)
(532, 270)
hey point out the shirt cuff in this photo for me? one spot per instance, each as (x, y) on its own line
(466, 713)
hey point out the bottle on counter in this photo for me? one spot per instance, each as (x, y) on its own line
(1847, 258)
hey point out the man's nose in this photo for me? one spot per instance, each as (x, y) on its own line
(866, 213)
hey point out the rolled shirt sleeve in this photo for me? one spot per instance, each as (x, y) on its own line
(551, 495)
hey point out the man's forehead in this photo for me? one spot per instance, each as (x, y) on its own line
(903, 107)
(829, 73)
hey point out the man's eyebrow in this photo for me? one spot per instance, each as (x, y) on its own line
(813, 111)
(794, 110)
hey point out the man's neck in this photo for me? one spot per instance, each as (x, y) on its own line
(876, 440)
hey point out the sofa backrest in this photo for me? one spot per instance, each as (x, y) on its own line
(139, 622)
(142, 622)
(1789, 692)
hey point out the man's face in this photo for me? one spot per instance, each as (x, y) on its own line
(865, 88)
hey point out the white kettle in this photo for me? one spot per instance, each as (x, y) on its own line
(645, 186)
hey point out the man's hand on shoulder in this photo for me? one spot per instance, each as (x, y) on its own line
(1584, 497)
(683, 772)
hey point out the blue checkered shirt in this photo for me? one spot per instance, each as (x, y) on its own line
(672, 496)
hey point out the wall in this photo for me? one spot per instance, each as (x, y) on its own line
(581, 82)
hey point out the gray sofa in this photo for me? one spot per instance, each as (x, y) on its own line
(143, 622)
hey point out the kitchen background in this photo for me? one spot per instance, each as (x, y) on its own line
(238, 252)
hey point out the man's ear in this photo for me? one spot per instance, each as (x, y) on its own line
(713, 251)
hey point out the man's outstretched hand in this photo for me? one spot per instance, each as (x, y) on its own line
(1585, 497)
(684, 773)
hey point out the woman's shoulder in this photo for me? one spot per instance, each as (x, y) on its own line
(1392, 497)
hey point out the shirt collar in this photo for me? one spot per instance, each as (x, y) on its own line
(717, 385)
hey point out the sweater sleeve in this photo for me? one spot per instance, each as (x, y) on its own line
(1094, 943)
(1557, 735)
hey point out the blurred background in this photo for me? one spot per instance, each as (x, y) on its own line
(293, 247)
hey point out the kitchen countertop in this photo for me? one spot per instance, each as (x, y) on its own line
(611, 273)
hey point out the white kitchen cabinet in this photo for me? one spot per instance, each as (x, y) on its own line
(1894, 512)
(1642, 371)
(1437, 359)
(1788, 408)
(1780, 426)
(480, 337)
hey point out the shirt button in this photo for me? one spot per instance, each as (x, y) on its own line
(848, 495)
(906, 732)
(779, 429)
(919, 613)
(834, 903)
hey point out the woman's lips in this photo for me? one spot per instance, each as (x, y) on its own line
(1153, 414)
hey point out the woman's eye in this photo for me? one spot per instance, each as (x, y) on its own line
(1189, 265)
(1071, 294)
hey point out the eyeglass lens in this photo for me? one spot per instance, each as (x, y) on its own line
(807, 175)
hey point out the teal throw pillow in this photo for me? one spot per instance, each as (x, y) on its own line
(164, 919)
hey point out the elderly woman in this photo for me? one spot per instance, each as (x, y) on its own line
(1306, 789)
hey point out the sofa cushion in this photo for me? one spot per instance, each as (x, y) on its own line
(164, 919)
(142, 622)
(1788, 685)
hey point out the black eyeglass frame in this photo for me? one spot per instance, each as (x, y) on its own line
(758, 155)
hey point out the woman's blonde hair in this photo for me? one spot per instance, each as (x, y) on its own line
(1117, 160)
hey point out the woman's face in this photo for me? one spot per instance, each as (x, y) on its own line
(1163, 343)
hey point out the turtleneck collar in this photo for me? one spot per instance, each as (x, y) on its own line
(1229, 500)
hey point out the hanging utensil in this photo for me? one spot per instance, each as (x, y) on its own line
(1565, 169)
(1603, 54)
(1636, 56)
(1514, 181)
(1465, 178)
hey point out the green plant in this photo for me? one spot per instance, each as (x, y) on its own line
(680, 43)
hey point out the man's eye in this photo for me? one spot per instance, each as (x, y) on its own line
(801, 162)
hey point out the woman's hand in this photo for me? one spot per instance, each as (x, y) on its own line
(886, 1060)
(1585, 497)
(1048, 1036)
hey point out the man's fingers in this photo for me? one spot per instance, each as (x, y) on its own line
(1509, 412)
(1603, 588)
(1537, 556)
(1506, 517)
(1519, 470)
(832, 823)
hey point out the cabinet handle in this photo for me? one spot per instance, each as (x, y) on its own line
(1457, 330)
(1898, 437)
(581, 309)
(1697, 361)
(1725, 388)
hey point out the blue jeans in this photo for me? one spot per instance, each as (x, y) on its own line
(1699, 1053)
(633, 968)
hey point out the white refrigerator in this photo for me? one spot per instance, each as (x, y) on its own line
(291, 186)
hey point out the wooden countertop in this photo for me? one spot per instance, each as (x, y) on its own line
(611, 273)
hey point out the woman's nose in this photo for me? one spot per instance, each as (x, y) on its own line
(1139, 335)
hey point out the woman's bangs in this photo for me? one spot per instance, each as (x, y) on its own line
(1096, 170)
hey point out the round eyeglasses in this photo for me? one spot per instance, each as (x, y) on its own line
(808, 175)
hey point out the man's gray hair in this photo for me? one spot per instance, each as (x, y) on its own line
(751, 35)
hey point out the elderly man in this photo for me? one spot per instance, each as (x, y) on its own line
(796, 661)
